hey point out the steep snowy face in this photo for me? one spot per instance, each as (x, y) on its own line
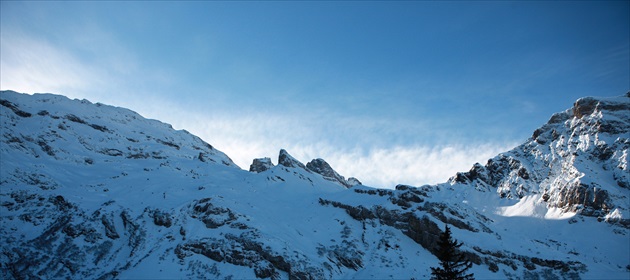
(577, 162)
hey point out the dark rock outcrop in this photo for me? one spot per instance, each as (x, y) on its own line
(260, 165)
(321, 167)
(285, 159)
(212, 216)
(244, 250)
(14, 108)
(110, 229)
(161, 218)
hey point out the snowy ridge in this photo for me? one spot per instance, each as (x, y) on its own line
(94, 191)
(80, 128)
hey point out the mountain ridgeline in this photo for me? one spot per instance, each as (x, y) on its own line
(94, 191)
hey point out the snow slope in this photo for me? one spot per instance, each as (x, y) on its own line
(94, 191)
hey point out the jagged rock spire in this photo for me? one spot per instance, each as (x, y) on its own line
(285, 159)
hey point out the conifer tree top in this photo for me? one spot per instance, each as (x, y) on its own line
(453, 264)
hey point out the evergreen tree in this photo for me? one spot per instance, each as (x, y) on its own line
(453, 264)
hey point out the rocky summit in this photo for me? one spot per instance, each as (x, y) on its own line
(91, 191)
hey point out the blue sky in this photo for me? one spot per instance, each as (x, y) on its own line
(389, 92)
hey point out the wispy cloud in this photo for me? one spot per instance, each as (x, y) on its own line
(35, 65)
(92, 65)
(374, 163)
(414, 165)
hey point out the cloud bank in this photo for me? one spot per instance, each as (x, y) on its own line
(375, 164)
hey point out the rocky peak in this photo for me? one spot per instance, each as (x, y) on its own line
(260, 165)
(589, 115)
(285, 159)
(576, 162)
(588, 105)
(322, 167)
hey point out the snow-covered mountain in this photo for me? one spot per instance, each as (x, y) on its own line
(577, 162)
(94, 191)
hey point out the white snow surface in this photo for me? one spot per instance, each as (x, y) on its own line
(90, 191)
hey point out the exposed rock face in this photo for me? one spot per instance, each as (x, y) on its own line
(321, 167)
(285, 159)
(260, 165)
(589, 200)
(588, 105)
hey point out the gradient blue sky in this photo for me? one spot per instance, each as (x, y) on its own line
(389, 92)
